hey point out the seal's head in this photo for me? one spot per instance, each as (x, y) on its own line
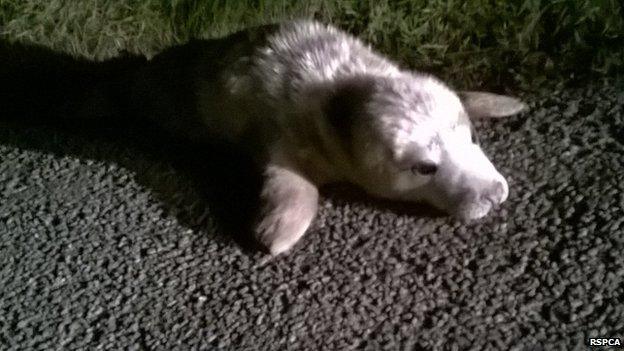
(410, 138)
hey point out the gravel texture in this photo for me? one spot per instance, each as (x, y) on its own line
(126, 241)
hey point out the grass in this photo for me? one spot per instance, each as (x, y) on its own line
(494, 43)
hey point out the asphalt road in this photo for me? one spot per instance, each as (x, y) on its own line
(114, 241)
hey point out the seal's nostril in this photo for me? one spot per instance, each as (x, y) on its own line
(496, 193)
(499, 189)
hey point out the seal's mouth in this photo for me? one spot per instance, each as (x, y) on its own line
(473, 210)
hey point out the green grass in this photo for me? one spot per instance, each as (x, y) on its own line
(494, 43)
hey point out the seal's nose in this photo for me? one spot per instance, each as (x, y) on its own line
(496, 193)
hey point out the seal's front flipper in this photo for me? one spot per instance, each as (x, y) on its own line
(288, 204)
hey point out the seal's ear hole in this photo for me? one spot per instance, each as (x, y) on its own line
(480, 104)
(347, 103)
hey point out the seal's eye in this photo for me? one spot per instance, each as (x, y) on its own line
(425, 167)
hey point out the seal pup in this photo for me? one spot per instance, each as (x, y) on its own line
(311, 103)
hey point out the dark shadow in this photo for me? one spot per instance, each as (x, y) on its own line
(223, 178)
(65, 105)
